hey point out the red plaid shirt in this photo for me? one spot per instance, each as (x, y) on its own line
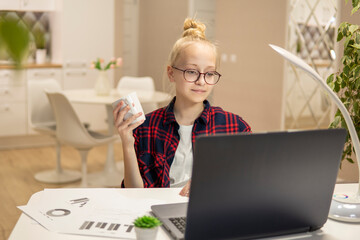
(157, 139)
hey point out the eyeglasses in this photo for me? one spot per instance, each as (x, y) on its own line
(193, 75)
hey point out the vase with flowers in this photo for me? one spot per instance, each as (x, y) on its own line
(102, 84)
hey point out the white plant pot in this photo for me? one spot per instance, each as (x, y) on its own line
(102, 84)
(40, 56)
(146, 233)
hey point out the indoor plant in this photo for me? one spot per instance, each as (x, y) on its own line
(346, 83)
(146, 227)
(40, 43)
(15, 39)
(102, 84)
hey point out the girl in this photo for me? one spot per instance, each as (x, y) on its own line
(158, 152)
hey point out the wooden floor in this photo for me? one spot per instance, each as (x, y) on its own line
(17, 170)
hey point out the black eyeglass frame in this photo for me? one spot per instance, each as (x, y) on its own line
(199, 75)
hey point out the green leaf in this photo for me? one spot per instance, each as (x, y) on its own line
(355, 9)
(353, 28)
(330, 79)
(357, 84)
(342, 84)
(350, 160)
(346, 70)
(16, 40)
(355, 45)
(343, 123)
(336, 121)
(356, 107)
(357, 38)
(347, 40)
(336, 87)
(147, 222)
(339, 36)
(354, 2)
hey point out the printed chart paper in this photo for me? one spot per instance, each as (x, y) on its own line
(104, 212)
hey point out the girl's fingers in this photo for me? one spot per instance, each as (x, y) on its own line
(185, 191)
(117, 108)
(135, 125)
(121, 115)
(132, 118)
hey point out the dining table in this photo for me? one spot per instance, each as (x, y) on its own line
(112, 174)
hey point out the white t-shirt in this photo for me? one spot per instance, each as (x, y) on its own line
(180, 170)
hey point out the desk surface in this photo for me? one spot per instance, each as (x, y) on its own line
(89, 96)
(26, 228)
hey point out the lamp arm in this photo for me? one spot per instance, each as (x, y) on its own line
(349, 123)
(309, 70)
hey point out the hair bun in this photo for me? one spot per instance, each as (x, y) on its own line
(194, 29)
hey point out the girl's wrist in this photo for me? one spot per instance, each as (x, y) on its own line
(128, 146)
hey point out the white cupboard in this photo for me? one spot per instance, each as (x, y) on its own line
(13, 111)
(38, 74)
(28, 5)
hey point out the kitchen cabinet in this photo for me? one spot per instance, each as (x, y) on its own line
(37, 5)
(9, 5)
(13, 98)
(28, 5)
(13, 110)
(38, 74)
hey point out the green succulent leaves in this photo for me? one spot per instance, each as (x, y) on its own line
(147, 222)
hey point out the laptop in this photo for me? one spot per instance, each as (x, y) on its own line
(257, 185)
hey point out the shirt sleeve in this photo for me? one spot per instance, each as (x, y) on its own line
(137, 151)
(243, 125)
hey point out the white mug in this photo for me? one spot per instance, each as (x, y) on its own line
(129, 100)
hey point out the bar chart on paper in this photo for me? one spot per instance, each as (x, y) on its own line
(106, 227)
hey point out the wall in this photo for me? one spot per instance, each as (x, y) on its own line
(118, 31)
(161, 24)
(251, 86)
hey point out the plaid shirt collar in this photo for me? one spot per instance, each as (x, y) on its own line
(170, 116)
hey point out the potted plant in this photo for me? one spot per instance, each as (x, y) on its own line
(40, 43)
(102, 84)
(146, 227)
(346, 83)
(15, 39)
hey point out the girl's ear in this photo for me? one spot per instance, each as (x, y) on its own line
(170, 73)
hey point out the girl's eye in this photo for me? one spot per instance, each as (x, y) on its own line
(192, 72)
(210, 74)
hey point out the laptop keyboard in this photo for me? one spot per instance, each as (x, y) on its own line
(179, 222)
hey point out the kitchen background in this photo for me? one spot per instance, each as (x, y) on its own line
(254, 79)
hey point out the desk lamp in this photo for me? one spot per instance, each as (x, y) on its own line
(344, 206)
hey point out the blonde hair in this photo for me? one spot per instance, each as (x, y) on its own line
(194, 31)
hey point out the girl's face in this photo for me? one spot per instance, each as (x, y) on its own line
(198, 56)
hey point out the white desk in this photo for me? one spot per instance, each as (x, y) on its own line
(111, 177)
(26, 228)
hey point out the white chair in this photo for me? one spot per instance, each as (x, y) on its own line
(139, 83)
(69, 130)
(42, 120)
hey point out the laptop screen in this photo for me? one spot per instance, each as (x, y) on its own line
(262, 184)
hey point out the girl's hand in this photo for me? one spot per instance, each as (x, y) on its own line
(186, 189)
(124, 127)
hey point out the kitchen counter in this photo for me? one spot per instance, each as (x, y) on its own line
(32, 65)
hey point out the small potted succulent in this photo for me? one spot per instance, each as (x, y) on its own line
(146, 227)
